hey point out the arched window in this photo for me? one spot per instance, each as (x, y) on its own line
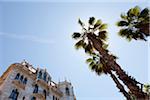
(17, 76)
(26, 65)
(35, 89)
(14, 94)
(33, 98)
(45, 76)
(21, 78)
(67, 91)
(40, 75)
(25, 81)
(53, 97)
(48, 79)
(23, 98)
(44, 91)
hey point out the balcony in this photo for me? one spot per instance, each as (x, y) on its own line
(19, 84)
(42, 82)
(39, 94)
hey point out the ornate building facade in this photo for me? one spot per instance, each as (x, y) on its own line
(21, 81)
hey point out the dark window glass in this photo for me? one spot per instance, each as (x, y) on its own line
(17, 76)
(40, 75)
(26, 66)
(44, 91)
(23, 98)
(33, 98)
(35, 89)
(21, 78)
(45, 76)
(14, 94)
(48, 79)
(25, 81)
(53, 97)
(67, 91)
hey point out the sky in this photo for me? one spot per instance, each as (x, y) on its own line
(40, 32)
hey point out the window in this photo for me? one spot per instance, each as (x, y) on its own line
(17, 76)
(45, 76)
(26, 65)
(53, 97)
(14, 94)
(56, 98)
(23, 98)
(35, 89)
(40, 75)
(21, 78)
(25, 81)
(48, 79)
(33, 98)
(44, 91)
(67, 91)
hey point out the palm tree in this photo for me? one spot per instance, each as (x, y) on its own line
(93, 39)
(98, 65)
(135, 24)
(147, 89)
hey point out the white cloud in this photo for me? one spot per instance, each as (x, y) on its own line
(26, 37)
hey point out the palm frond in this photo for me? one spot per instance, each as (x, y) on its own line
(130, 12)
(136, 10)
(105, 46)
(80, 22)
(122, 23)
(102, 35)
(97, 24)
(89, 60)
(91, 20)
(102, 27)
(144, 13)
(88, 48)
(136, 23)
(147, 88)
(129, 37)
(123, 32)
(76, 35)
(79, 44)
(123, 16)
(91, 64)
(128, 34)
(93, 67)
(99, 69)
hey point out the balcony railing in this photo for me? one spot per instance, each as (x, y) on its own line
(19, 84)
(39, 94)
(42, 82)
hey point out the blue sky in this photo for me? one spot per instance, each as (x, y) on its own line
(40, 32)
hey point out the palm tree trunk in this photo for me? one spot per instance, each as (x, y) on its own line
(115, 79)
(120, 86)
(127, 80)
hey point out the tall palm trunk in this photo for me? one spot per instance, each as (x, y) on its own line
(115, 79)
(127, 80)
(120, 86)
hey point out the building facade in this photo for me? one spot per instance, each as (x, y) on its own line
(21, 81)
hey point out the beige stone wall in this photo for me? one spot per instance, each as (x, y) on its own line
(9, 83)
